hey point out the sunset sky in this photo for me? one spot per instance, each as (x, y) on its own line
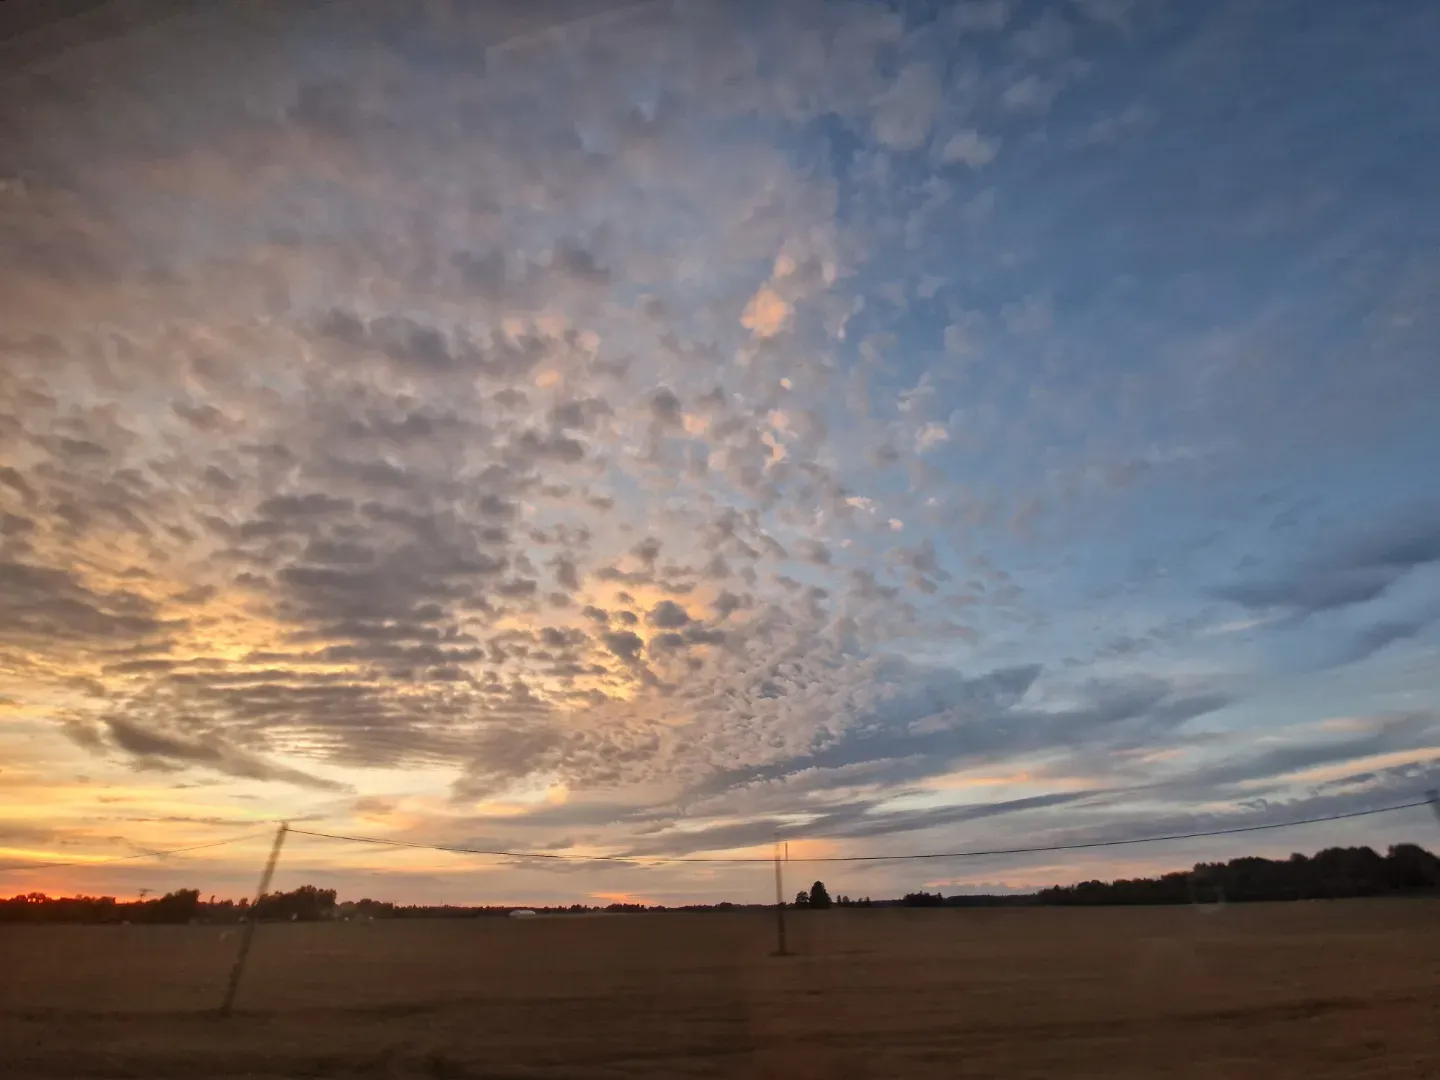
(658, 429)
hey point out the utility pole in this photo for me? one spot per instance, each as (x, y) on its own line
(781, 950)
(247, 934)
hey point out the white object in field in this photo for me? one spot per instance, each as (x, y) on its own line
(522, 913)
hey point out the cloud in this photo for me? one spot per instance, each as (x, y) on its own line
(667, 615)
(207, 751)
(1131, 120)
(1358, 572)
(969, 147)
(866, 819)
(1028, 316)
(812, 551)
(905, 110)
(903, 722)
(1029, 94)
(1049, 35)
(1116, 12)
(1374, 638)
(930, 436)
(959, 337)
(767, 313)
(665, 406)
(48, 604)
(982, 15)
(623, 643)
(1389, 734)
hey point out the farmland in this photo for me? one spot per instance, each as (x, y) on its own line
(1276, 990)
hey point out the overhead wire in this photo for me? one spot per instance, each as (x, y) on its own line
(157, 854)
(665, 860)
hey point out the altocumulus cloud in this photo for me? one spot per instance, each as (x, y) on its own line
(681, 460)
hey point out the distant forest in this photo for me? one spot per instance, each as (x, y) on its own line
(1405, 869)
(1335, 873)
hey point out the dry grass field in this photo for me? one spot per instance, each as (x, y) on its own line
(1286, 990)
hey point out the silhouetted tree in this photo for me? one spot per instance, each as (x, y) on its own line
(1332, 873)
(1412, 867)
(923, 899)
(305, 904)
(179, 906)
(802, 899)
(819, 897)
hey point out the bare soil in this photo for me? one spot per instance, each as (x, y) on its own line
(1307, 990)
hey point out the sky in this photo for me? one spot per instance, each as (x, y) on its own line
(660, 430)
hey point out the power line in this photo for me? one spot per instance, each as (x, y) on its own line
(503, 854)
(681, 859)
(669, 860)
(129, 858)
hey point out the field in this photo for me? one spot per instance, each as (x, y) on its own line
(1304, 990)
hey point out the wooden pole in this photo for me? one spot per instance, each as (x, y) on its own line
(781, 949)
(247, 933)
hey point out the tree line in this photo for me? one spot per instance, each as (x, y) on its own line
(1405, 869)
(1335, 873)
(817, 898)
(305, 904)
(1331, 874)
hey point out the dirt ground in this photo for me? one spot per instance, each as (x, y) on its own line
(1304, 990)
